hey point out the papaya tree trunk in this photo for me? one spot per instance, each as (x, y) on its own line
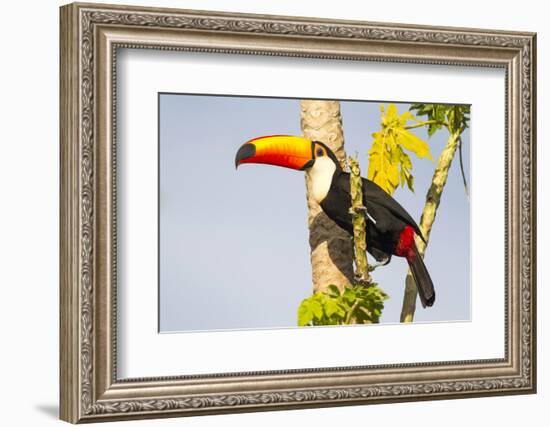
(433, 198)
(331, 247)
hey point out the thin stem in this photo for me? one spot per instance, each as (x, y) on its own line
(426, 123)
(349, 317)
(462, 167)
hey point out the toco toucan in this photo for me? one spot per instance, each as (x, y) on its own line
(390, 229)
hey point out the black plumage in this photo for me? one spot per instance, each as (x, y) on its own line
(387, 217)
(387, 223)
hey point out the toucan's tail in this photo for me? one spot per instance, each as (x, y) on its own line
(422, 278)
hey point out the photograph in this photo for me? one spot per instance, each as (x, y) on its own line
(246, 245)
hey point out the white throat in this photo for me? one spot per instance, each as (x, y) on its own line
(321, 177)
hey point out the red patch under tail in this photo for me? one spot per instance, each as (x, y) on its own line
(406, 247)
(406, 243)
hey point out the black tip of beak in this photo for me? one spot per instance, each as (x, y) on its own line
(246, 151)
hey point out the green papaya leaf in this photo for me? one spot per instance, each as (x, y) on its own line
(305, 315)
(332, 308)
(333, 291)
(316, 308)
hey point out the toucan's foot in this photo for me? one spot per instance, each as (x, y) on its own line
(362, 281)
(353, 210)
(363, 209)
(382, 263)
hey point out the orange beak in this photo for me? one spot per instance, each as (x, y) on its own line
(294, 152)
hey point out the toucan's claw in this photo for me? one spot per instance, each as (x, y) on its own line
(353, 210)
(382, 263)
(362, 281)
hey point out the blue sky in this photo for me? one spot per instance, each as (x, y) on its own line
(234, 249)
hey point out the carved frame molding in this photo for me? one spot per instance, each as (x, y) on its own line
(90, 37)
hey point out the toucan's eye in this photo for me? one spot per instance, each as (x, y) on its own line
(319, 152)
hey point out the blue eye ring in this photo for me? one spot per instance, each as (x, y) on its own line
(319, 152)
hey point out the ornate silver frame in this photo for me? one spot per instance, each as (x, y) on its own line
(90, 36)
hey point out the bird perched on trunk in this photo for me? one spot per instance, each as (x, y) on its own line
(390, 229)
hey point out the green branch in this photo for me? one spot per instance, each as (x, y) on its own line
(358, 212)
(433, 198)
(427, 123)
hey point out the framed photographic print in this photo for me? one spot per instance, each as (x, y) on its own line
(266, 212)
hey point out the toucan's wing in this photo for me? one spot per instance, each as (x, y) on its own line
(373, 194)
(375, 198)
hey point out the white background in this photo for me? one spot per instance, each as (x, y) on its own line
(145, 353)
(29, 218)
